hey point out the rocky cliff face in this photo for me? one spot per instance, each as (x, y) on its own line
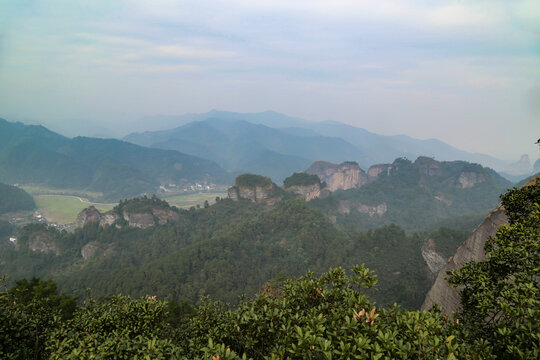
(346, 175)
(255, 193)
(428, 166)
(93, 215)
(140, 220)
(94, 249)
(434, 261)
(472, 249)
(44, 244)
(375, 170)
(307, 192)
(345, 207)
(252, 187)
(469, 179)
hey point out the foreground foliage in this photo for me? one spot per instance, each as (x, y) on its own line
(310, 317)
(501, 295)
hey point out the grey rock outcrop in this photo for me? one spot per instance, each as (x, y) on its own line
(428, 166)
(446, 296)
(252, 187)
(308, 192)
(468, 179)
(434, 261)
(375, 170)
(140, 220)
(346, 175)
(345, 207)
(44, 244)
(89, 250)
(255, 193)
(86, 216)
(93, 215)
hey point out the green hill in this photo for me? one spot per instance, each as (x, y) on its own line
(225, 250)
(35, 155)
(417, 195)
(14, 199)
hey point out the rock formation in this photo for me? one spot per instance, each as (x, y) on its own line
(92, 215)
(434, 261)
(43, 243)
(306, 192)
(375, 170)
(468, 179)
(89, 250)
(136, 219)
(345, 207)
(520, 167)
(446, 296)
(251, 187)
(346, 175)
(428, 166)
(306, 186)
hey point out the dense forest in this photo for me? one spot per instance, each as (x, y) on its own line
(224, 250)
(32, 154)
(415, 199)
(318, 317)
(14, 199)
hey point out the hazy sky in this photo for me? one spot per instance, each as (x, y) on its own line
(466, 72)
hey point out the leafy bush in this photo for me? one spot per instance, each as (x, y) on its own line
(252, 180)
(501, 294)
(301, 179)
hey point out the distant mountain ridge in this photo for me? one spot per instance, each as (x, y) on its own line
(32, 154)
(242, 146)
(365, 147)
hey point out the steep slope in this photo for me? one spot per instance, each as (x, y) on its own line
(471, 250)
(441, 293)
(35, 155)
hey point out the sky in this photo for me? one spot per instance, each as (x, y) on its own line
(464, 72)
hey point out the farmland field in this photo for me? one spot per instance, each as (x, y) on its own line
(63, 209)
(62, 205)
(185, 201)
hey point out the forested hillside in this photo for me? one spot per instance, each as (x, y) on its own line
(416, 195)
(14, 199)
(225, 250)
(327, 316)
(34, 155)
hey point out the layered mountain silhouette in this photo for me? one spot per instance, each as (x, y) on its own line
(257, 142)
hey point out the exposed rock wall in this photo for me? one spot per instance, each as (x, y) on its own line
(93, 215)
(86, 216)
(44, 244)
(345, 207)
(140, 220)
(472, 249)
(428, 166)
(375, 170)
(434, 261)
(306, 192)
(469, 179)
(346, 175)
(255, 193)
